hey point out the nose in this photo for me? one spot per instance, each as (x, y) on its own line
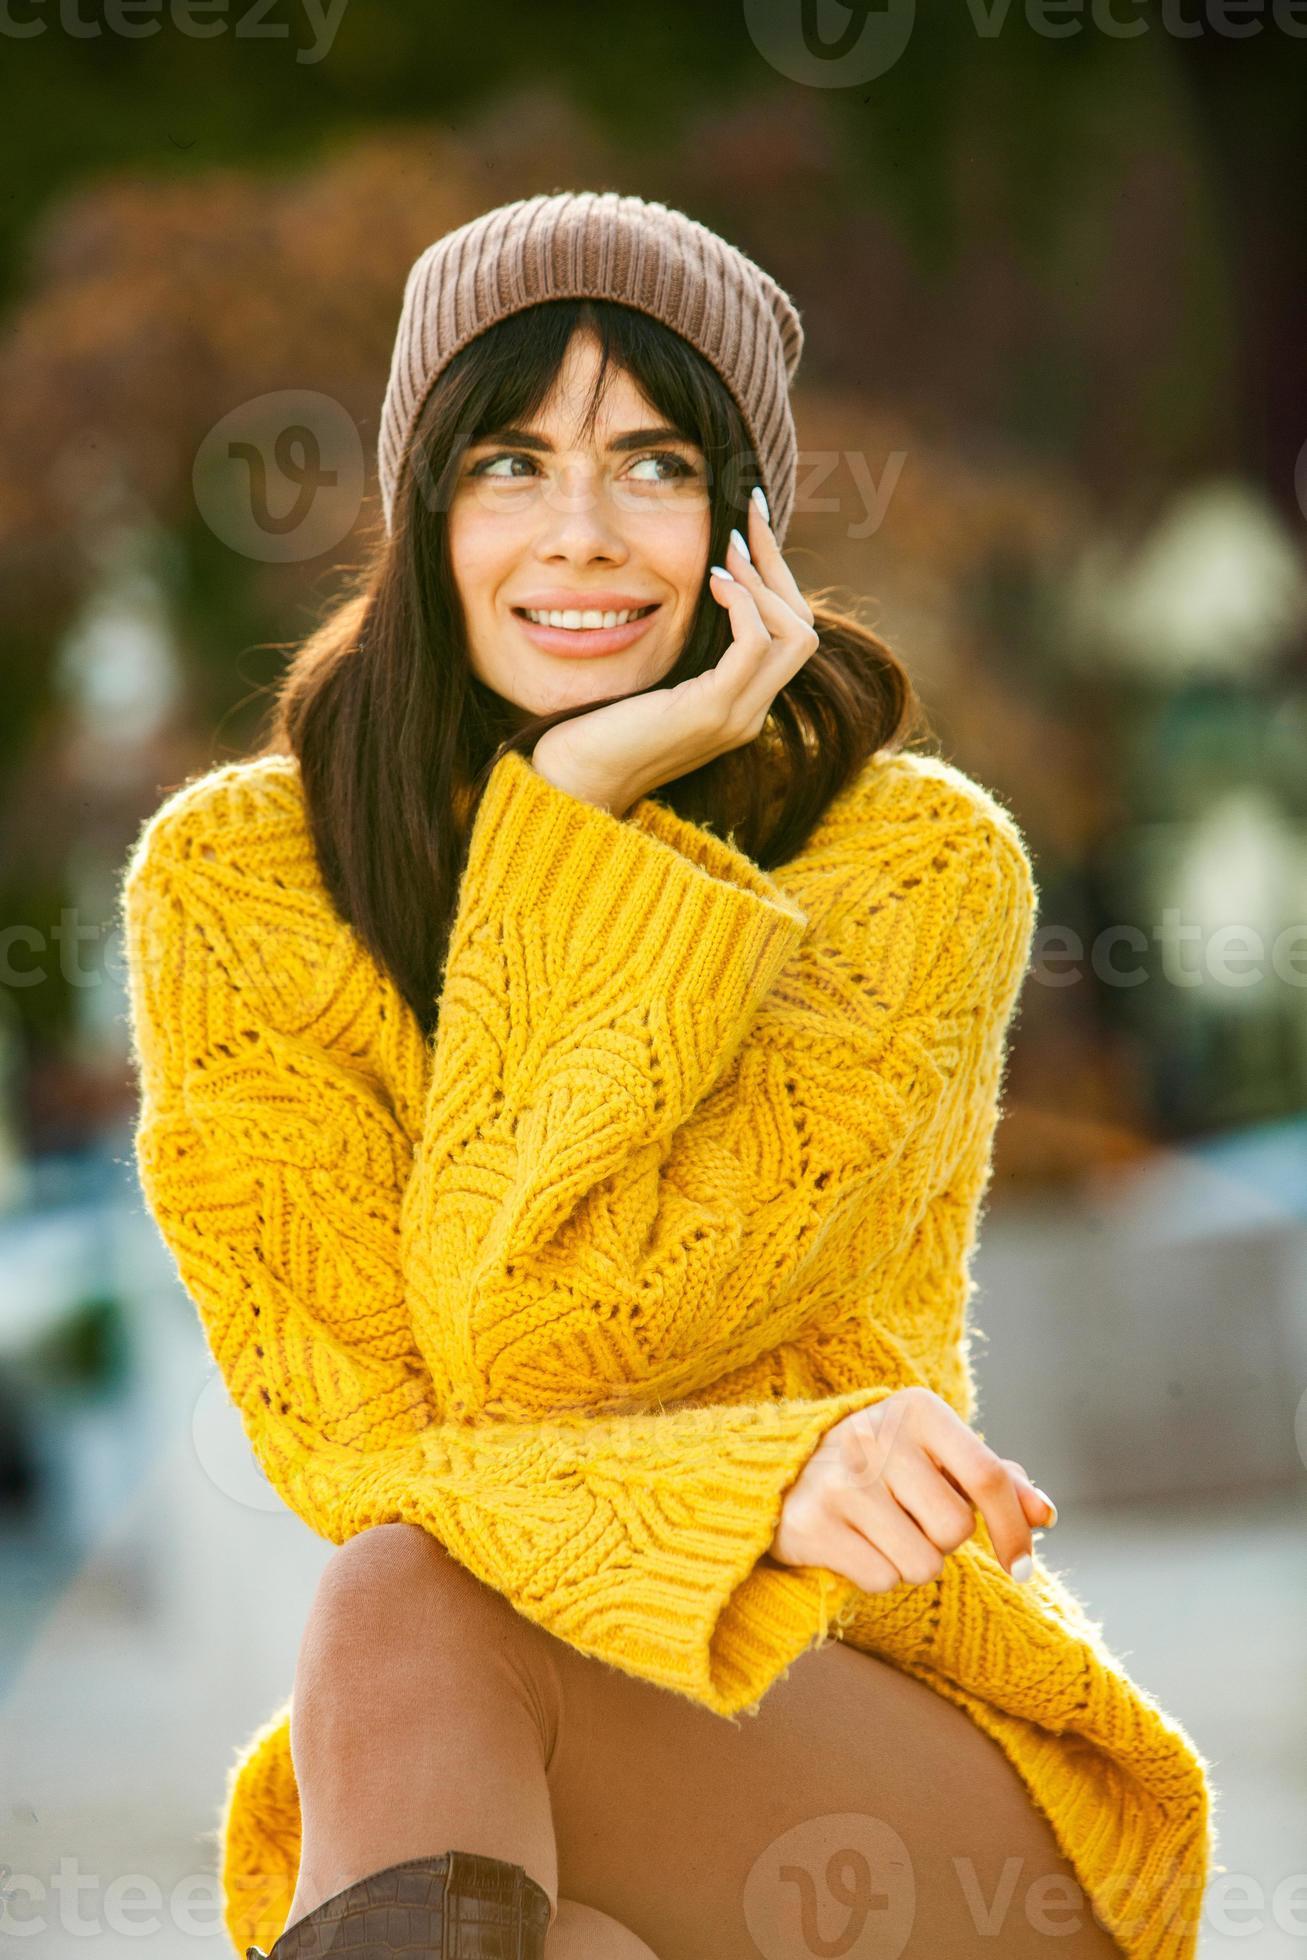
(580, 520)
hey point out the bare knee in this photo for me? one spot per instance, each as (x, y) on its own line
(390, 1601)
(394, 1565)
(583, 1933)
(403, 1689)
(387, 1559)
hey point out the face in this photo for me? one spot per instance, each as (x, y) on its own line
(556, 539)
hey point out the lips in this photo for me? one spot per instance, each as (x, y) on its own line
(585, 642)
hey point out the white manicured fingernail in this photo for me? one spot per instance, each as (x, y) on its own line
(761, 501)
(1023, 1569)
(741, 547)
(720, 571)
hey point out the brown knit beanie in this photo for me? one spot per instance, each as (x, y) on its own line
(601, 245)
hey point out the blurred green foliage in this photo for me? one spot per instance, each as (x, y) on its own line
(1065, 275)
(84, 98)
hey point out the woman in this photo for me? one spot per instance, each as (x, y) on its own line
(578, 1186)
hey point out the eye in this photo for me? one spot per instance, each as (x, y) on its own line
(487, 465)
(679, 469)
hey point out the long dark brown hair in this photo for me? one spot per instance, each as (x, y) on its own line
(395, 733)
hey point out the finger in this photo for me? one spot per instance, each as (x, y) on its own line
(770, 560)
(1037, 1504)
(883, 1522)
(773, 604)
(931, 1497)
(755, 638)
(751, 638)
(1039, 1508)
(794, 637)
(763, 579)
(985, 1479)
(745, 681)
(868, 1568)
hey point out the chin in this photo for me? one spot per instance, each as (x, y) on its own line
(591, 680)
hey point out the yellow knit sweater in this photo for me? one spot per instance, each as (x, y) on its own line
(692, 1168)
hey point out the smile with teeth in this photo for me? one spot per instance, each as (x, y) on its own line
(581, 622)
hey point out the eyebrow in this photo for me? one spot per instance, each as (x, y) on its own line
(629, 439)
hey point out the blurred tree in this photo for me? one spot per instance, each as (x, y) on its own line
(1019, 261)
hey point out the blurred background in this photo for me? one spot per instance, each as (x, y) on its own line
(1053, 414)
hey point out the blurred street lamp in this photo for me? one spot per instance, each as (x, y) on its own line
(117, 668)
(1217, 590)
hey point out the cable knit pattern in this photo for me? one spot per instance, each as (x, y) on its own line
(692, 1168)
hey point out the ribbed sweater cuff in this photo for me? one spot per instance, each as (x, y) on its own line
(655, 897)
(774, 1612)
(662, 1571)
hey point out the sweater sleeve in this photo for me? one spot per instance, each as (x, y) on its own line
(658, 1100)
(599, 981)
(275, 1170)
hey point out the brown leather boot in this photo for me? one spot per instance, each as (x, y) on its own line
(459, 1905)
